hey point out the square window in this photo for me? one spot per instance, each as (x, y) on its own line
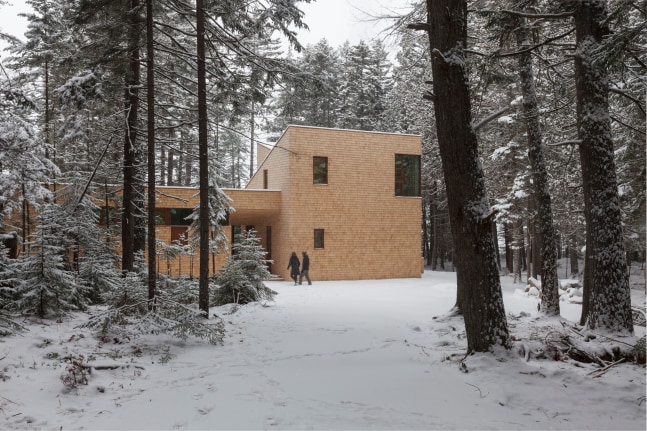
(407, 175)
(319, 170)
(179, 215)
(319, 239)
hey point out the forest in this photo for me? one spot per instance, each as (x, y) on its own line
(532, 114)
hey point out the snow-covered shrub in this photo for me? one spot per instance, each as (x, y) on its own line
(132, 314)
(242, 279)
(8, 282)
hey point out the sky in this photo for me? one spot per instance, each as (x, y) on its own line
(336, 20)
(337, 355)
(347, 20)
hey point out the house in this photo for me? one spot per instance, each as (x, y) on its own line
(351, 199)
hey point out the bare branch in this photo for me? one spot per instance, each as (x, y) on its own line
(489, 118)
(572, 142)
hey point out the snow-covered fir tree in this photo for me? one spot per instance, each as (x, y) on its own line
(49, 285)
(242, 279)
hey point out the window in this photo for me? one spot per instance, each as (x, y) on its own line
(179, 215)
(319, 238)
(265, 174)
(172, 216)
(319, 170)
(161, 216)
(407, 175)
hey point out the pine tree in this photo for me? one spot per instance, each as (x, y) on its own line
(48, 284)
(607, 292)
(242, 279)
(479, 288)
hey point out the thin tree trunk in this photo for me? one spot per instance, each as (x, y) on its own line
(131, 96)
(479, 294)
(610, 296)
(572, 250)
(517, 248)
(435, 240)
(203, 149)
(252, 144)
(425, 234)
(545, 244)
(150, 99)
(509, 253)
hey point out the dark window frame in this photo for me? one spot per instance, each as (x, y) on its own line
(319, 174)
(319, 239)
(404, 177)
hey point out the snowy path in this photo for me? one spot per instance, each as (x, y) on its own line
(337, 355)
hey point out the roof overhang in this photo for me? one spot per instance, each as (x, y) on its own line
(253, 206)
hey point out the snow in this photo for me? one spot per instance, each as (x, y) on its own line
(379, 354)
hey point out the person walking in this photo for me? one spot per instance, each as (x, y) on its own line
(294, 264)
(305, 269)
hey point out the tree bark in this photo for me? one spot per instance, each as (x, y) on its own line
(546, 240)
(150, 99)
(608, 305)
(572, 252)
(131, 97)
(479, 295)
(203, 150)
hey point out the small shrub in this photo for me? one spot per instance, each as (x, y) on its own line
(76, 373)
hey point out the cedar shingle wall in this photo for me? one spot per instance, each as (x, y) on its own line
(369, 233)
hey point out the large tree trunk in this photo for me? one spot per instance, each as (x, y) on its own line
(606, 278)
(479, 290)
(131, 97)
(150, 98)
(544, 215)
(203, 150)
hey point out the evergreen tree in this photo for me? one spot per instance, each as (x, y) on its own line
(48, 284)
(479, 288)
(242, 279)
(607, 293)
(362, 89)
(9, 280)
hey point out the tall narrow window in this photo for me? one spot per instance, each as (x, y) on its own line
(319, 170)
(265, 174)
(407, 175)
(319, 238)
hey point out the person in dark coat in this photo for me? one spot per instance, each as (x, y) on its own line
(294, 264)
(305, 269)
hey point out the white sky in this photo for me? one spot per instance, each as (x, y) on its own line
(10, 22)
(336, 20)
(342, 20)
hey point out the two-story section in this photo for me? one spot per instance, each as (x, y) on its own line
(350, 199)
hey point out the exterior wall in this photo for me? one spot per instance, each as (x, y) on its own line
(262, 152)
(369, 232)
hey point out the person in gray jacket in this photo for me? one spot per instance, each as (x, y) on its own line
(305, 269)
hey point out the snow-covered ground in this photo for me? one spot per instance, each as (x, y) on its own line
(334, 355)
